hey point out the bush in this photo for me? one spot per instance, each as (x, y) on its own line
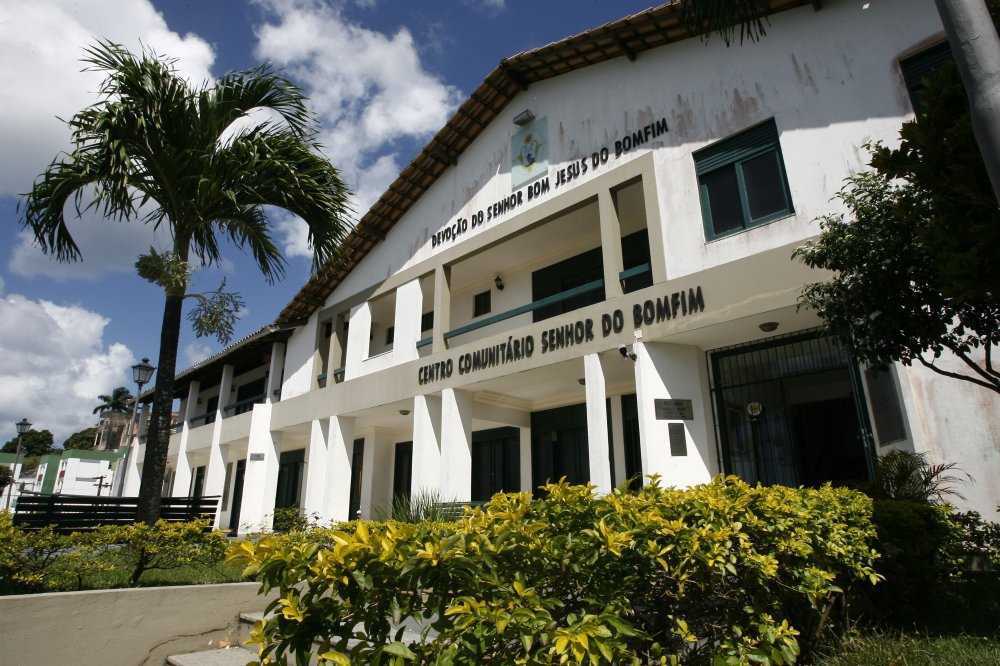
(42, 560)
(721, 573)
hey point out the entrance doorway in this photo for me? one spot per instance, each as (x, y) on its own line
(496, 462)
(559, 446)
(790, 411)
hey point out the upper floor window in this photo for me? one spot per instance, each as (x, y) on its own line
(921, 66)
(741, 181)
(481, 304)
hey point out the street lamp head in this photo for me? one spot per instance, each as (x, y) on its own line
(142, 372)
(23, 426)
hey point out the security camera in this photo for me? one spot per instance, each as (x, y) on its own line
(626, 354)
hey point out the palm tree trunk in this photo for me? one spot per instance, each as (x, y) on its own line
(158, 437)
(976, 49)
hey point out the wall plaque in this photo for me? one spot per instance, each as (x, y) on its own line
(256, 457)
(673, 410)
(678, 439)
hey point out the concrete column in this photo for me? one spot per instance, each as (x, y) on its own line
(182, 478)
(377, 491)
(215, 471)
(358, 339)
(426, 470)
(456, 445)
(665, 371)
(442, 307)
(654, 228)
(335, 353)
(409, 303)
(260, 482)
(338, 468)
(314, 481)
(618, 440)
(275, 373)
(597, 424)
(611, 243)
(525, 433)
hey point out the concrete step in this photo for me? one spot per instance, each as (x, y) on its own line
(230, 656)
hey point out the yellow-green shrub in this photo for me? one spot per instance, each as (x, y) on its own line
(721, 572)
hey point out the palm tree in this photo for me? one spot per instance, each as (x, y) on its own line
(120, 401)
(189, 160)
(908, 475)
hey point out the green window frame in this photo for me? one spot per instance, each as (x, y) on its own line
(742, 181)
(919, 67)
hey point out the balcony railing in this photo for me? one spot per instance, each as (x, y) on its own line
(244, 406)
(530, 307)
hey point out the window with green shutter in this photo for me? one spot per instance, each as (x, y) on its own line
(919, 67)
(741, 181)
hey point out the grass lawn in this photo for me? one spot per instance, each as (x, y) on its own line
(898, 649)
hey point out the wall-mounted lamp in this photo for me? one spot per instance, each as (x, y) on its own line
(582, 381)
(498, 281)
(524, 118)
(626, 354)
(404, 412)
(769, 326)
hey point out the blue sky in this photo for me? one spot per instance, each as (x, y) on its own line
(383, 76)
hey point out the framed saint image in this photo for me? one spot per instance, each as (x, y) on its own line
(529, 153)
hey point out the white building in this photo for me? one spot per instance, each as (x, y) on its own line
(587, 273)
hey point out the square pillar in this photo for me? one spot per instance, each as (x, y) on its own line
(376, 493)
(666, 371)
(611, 243)
(358, 342)
(426, 467)
(314, 478)
(182, 477)
(340, 448)
(409, 303)
(618, 440)
(525, 437)
(456, 445)
(442, 307)
(215, 471)
(597, 424)
(275, 372)
(260, 481)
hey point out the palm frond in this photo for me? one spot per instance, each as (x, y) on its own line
(725, 17)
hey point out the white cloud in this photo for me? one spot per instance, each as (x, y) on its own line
(54, 363)
(195, 352)
(368, 88)
(41, 44)
(491, 6)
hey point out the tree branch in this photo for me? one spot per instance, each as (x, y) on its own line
(955, 375)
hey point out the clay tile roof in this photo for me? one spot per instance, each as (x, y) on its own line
(627, 37)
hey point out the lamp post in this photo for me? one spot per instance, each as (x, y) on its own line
(23, 426)
(141, 374)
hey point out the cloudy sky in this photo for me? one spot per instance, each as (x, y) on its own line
(381, 75)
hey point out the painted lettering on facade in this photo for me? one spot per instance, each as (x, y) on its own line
(680, 303)
(554, 179)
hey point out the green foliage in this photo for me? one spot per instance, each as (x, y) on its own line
(930, 553)
(120, 400)
(138, 548)
(291, 519)
(215, 313)
(915, 269)
(907, 475)
(6, 477)
(82, 440)
(167, 270)
(42, 560)
(895, 649)
(422, 506)
(33, 443)
(720, 573)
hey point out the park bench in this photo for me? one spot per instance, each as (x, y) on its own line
(79, 513)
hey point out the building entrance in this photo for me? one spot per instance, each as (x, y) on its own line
(791, 411)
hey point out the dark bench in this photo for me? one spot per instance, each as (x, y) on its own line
(79, 513)
(455, 510)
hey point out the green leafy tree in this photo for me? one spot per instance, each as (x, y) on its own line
(83, 440)
(192, 162)
(120, 400)
(6, 477)
(915, 270)
(33, 443)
